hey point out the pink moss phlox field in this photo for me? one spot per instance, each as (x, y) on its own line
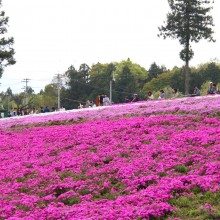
(123, 162)
(184, 105)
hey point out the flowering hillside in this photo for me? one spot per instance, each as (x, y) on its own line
(147, 160)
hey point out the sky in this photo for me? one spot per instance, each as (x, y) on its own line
(51, 35)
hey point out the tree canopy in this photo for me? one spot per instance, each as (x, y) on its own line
(6, 50)
(127, 78)
(189, 21)
(156, 70)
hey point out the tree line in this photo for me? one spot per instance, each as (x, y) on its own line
(188, 21)
(127, 78)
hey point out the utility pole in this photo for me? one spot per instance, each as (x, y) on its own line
(8, 103)
(59, 83)
(26, 89)
(110, 86)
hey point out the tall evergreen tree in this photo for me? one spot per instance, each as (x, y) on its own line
(156, 70)
(77, 84)
(6, 50)
(84, 70)
(9, 91)
(189, 21)
(101, 74)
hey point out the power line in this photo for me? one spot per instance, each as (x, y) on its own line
(11, 84)
(74, 100)
(98, 87)
(26, 82)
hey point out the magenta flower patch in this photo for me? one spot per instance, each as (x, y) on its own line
(119, 162)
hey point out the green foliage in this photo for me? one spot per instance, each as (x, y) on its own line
(197, 205)
(22, 179)
(205, 73)
(129, 79)
(84, 192)
(9, 91)
(162, 174)
(169, 79)
(188, 21)
(204, 87)
(59, 191)
(19, 100)
(84, 70)
(23, 207)
(104, 194)
(181, 168)
(108, 160)
(6, 43)
(66, 174)
(37, 102)
(46, 98)
(146, 184)
(100, 76)
(77, 86)
(156, 70)
(71, 201)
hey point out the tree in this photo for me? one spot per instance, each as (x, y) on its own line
(155, 70)
(129, 79)
(172, 78)
(6, 50)
(19, 100)
(9, 91)
(206, 72)
(189, 21)
(41, 92)
(84, 70)
(77, 86)
(100, 76)
(49, 97)
(29, 90)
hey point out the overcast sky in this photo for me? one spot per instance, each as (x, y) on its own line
(51, 35)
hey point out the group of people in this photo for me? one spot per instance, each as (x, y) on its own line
(26, 111)
(175, 94)
(101, 100)
(212, 89)
(150, 96)
(21, 111)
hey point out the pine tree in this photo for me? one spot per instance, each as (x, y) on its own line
(189, 21)
(6, 50)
